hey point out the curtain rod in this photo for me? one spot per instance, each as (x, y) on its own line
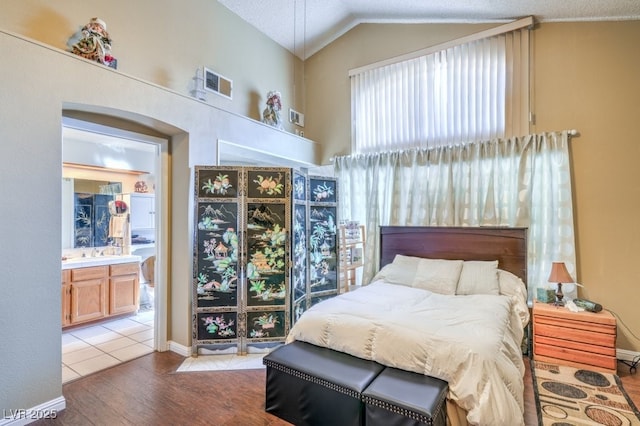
(501, 29)
(570, 132)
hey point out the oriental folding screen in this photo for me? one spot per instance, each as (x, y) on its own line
(264, 251)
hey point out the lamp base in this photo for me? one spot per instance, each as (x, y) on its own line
(559, 296)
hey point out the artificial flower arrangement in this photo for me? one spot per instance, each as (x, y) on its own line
(271, 114)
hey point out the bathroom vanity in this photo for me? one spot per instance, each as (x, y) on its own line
(94, 288)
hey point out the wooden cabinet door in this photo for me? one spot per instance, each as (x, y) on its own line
(66, 304)
(65, 296)
(123, 294)
(88, 300)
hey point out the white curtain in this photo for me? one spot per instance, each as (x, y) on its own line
(477, 90)
(518, 182)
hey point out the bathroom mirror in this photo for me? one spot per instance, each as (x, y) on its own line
(85, 212)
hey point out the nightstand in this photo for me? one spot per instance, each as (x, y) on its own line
(579, 339)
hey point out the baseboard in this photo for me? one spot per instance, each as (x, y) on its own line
(179, 349)
(47, 410)
(626, 355)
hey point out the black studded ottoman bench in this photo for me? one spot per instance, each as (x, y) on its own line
(402, 398)
(310, 385)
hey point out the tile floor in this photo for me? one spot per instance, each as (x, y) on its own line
(93, 348)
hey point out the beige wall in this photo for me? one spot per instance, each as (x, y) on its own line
(165, 41)
(586, 77)
(38, 82)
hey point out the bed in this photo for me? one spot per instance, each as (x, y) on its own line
(435, 309)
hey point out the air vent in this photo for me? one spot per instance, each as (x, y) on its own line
(296, 117)
(214, 82)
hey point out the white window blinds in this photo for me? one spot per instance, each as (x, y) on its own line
(471, 89)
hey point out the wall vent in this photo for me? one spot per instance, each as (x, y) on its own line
(216, 83)
(296, 117)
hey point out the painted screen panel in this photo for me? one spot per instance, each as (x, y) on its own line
(217, 254)
(266, 325)
(266, 254)
(216, 326)
(323, 271)
(217, 183)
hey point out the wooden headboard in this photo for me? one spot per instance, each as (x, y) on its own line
(506, 245)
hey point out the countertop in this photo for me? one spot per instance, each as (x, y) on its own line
(83, 262)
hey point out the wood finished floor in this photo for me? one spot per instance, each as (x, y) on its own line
(148, 391)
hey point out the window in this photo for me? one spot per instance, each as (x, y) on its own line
(476, 88)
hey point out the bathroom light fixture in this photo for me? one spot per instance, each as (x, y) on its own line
(102, 169)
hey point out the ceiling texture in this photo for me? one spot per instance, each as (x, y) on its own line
(305, 26)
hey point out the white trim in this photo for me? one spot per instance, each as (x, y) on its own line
(159, 148)
(179, 349)
(161, 301)
(46, 410)
(626, 355)
(88, 126)
(255, 156)
(511, 26)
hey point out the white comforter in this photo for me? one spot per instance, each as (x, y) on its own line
(472, 342)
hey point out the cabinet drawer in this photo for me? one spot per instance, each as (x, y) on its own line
(66, 275)
(125, 268)
(575, 356)
(570, 324)
(604, 336)
(94, 272)
(586, 346)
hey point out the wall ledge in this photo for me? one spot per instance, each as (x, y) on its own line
(238, 129)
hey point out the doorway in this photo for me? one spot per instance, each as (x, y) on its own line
(132, 164)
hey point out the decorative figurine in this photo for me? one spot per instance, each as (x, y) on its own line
(141, 186)
(271, 114)
(95, 43)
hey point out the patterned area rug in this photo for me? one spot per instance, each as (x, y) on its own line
(571, 396)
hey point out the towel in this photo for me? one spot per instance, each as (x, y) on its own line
(117, 226)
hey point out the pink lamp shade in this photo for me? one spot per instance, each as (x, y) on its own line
(559, 273)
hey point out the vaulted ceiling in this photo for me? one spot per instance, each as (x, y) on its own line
(305, 26)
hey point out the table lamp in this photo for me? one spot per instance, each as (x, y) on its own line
(559, 274)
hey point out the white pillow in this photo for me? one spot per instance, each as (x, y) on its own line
(513, 287)
(401, 271)
(438, 275)
(479, 277)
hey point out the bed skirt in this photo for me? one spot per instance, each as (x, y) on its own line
(456, 416)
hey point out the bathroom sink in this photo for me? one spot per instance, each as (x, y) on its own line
(81, 262)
